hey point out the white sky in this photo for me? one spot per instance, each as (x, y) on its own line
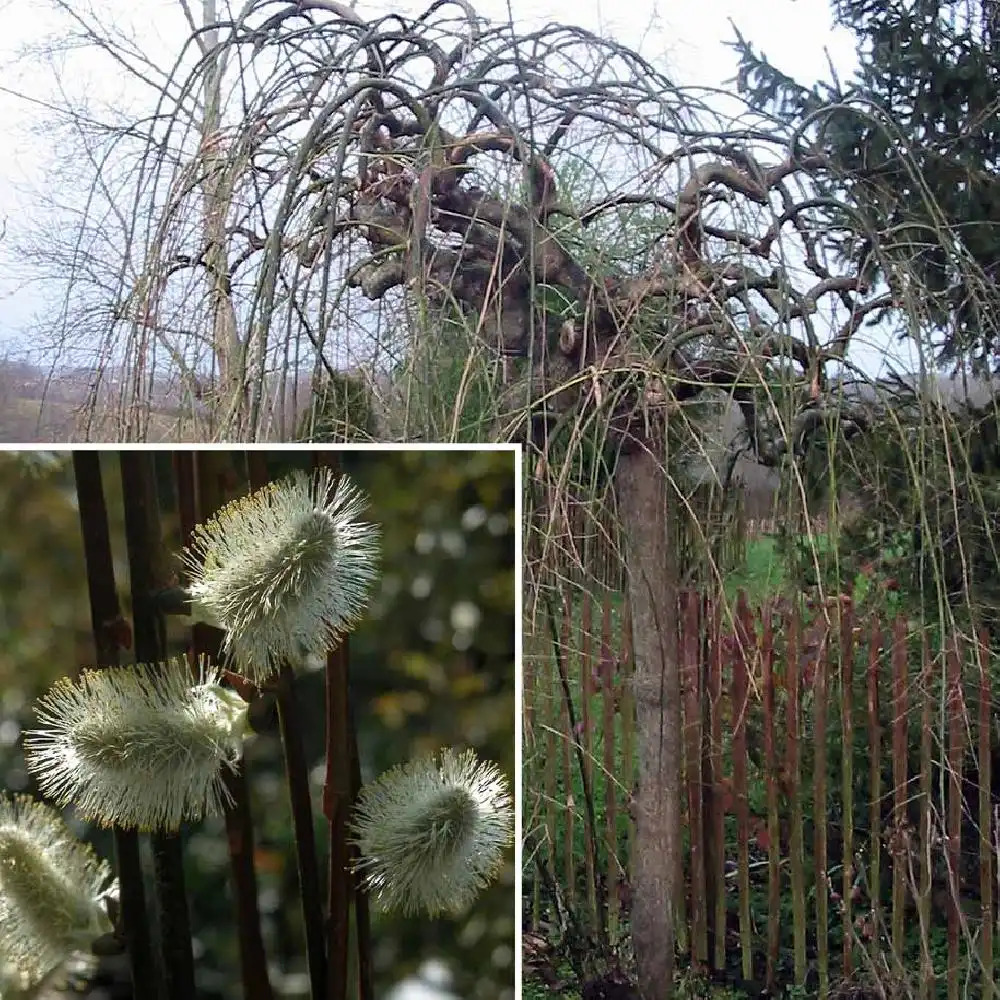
(685, 40)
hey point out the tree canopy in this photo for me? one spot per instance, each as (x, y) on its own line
(916, 136)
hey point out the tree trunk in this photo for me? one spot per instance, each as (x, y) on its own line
(228, 406)
(647, 512)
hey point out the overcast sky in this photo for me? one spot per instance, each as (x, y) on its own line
(685, 40)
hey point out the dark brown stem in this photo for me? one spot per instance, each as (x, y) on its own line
(105, 613)
(199, 492)
(362, 912)
(301, 804)
(305, 836)
(337, 802)
(142, 540)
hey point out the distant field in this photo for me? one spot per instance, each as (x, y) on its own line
(23, 420)
(29, 420)
(39, 405)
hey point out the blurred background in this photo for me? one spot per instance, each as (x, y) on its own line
(432, 665)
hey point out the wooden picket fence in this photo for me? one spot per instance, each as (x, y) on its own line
(837, 777)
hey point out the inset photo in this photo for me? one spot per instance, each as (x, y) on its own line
(257, 723)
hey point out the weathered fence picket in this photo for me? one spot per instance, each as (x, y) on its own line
(924, 897)
(587, 738)
(740, 706)
(613, 695)
(821, 880)
(956, 747)
(847, 782)
(568, 736)
(874, 874)
(716, 822)
(793, 783)
(771, 775)
(774, 699)
(550, 710)
(900, 794)
(628, 737)
(691, 692)
(986, 857)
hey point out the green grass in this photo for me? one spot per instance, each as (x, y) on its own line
(764, 571)
(532, 989)
(762, 574)
(549, 706)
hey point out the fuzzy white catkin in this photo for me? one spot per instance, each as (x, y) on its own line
(52, 888)
(140, 746)
(431, 835)
(285, 571)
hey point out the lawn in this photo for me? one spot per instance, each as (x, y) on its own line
(762, 575)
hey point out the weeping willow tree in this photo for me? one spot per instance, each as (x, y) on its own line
(528, 235)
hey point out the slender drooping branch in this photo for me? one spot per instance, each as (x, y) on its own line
(552, 616)
(452, 185)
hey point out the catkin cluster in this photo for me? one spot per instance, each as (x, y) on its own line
(284, 572)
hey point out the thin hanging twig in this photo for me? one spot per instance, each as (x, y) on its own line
(588, 793)
(142, 540)
(108, 626)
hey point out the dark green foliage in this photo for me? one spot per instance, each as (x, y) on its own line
(915, 146)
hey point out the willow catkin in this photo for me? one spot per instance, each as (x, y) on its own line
(138, 746)
(285, 571)
(52, 889)
(431, 835)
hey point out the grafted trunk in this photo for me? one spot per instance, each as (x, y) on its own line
(647, 509)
